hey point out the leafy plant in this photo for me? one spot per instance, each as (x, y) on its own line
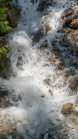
(3, 28)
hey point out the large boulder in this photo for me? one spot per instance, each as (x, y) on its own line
(12, 15)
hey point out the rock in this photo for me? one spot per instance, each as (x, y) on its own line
(69, 72)
(12, 15)
(47, 26)
(4, 99)
(19, 62)
(46, 81)
(69, 19)
(73, 82)
(67, 13)
(7, 126)
(74, 24)
(55, 47)
(38, 35)
(44, 45)
(7, 71)
(58, 59)
(43, 4)
(71, 41)
(67, 108)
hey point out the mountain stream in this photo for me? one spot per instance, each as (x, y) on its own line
(37, 88)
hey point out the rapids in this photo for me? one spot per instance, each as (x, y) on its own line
(37, 90)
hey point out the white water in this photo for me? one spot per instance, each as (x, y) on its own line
(39, 109)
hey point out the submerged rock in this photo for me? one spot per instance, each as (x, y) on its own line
(38, 35)
(44, 45)
(67, 108)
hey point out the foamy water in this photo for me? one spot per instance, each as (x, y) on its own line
(39, 108)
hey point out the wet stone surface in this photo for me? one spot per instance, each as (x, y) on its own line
(4, 99)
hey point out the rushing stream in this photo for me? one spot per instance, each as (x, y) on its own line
(37, 89)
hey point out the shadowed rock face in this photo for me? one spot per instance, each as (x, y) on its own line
(12, 16)
(43, 4)
(38, 35)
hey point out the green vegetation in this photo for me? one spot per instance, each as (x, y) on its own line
(3, 28)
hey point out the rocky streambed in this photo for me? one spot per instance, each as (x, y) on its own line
(39, 100)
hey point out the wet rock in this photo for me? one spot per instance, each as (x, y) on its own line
(44, 45)
(57, 59)
(67, 108)
(12, 16)
(69, 72)
(46, 81)
(7, 71)
(73, 82)
(38, 35)
(55, 47)
(7, 126)
(4, 99)
(20, 61)
(74, 24)
(43, 4)
(47, 26)
(69, 19)
(67, 13)
(71, 41)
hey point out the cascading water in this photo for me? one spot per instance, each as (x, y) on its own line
(38, 90)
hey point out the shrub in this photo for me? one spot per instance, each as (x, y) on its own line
(3, 28)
